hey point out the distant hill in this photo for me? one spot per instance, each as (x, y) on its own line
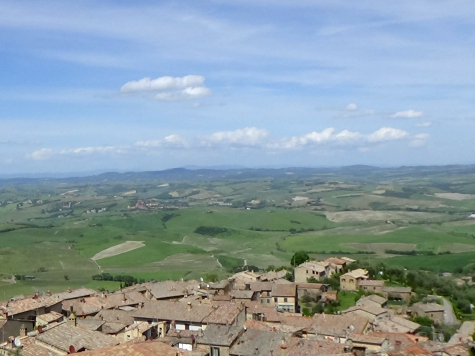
(194, 173)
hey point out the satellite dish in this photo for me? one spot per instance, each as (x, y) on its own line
(17, 342)
(72, 350)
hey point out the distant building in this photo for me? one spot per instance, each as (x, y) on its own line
(352, 279)
(398, 293)
(372, 286)
(310, 269)
(433, 311)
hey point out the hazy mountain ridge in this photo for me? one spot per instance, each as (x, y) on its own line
(362, 172)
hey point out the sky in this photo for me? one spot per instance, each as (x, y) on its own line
(152, 85)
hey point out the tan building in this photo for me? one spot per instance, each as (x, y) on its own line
(336, 264)
(398, 293)
(218, 339)
(310, 269)
(372, 286)
(285, 297)
(365, 345)
(352, 279)
(430, 310)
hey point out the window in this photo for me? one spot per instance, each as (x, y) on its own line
(276, 300)
(268, 300)
(285, 300)
(214, 351)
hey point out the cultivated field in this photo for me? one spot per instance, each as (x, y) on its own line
(60, 233)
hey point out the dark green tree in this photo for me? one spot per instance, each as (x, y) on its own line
(299, 257)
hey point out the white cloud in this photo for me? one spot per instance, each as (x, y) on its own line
(408, 114)
(345, 137)
(352, 107)
(387, 134)
(419, 140)
(185, 94)
(424, 124)
(41, 154)
(248, 136)
(169, 141)
(162, 83)
(92, 149)
(170, 88)
(149, 144)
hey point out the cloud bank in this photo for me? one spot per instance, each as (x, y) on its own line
(246, 138)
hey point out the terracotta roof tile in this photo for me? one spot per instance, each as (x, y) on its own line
(220, 335)
(329, 324)
(166, 310)
(138, 349)
(172, 289)
(33, 348)
(284, 290)
(307, 347)
(50, 317)
(64, 335)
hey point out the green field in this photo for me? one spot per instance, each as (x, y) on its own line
(50, 229)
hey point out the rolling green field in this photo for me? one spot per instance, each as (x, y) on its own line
(52, 230)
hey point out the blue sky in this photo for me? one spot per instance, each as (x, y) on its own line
(150, 85)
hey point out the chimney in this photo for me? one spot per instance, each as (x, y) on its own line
(397, 347)
(23, 330)
(72, 319)
(283, 348)
(188, 306)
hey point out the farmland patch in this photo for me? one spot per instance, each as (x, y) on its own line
(118, 249)
(369, 215)
(380, 248)
(455, 196)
